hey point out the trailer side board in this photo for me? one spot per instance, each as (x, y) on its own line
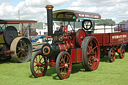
(111, 39)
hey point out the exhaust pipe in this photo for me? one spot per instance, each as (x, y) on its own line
(49, 19)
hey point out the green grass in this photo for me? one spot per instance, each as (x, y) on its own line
(107, 74)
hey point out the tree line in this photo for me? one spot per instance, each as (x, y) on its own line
(110, 22)
(124, 22)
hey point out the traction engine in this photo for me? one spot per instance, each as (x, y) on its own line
(66, 48)
(13, 47)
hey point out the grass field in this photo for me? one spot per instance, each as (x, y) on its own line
(107, 74)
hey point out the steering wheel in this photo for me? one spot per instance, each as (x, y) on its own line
(87, 24)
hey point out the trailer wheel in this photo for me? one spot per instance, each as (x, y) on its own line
(63, 65)
(91, 53)
(111, 55)
(122, 52)
(38, 65)
(22, 49)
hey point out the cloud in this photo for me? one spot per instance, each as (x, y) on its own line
(29, 9)
(107, 8)
(7, 11)
(58, 2)
(33, 3)
(35, 9)
(32, 9)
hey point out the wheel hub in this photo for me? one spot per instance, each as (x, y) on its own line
(22, 50)
(39, 64)
(66, 65)
(92, 53)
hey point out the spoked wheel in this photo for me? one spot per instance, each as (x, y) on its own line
(91, 53)
(22, 49)
(63, 65)
(122, 52)
(111, 55)
(38, 65)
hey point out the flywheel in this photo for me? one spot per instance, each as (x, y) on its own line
(80, 35)
(10, 33)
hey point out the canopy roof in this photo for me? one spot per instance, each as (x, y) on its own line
(16, 21)
(73, 15)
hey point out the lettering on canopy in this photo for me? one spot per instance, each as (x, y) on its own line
(87, 15)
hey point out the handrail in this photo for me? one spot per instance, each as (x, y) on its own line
(106, 28)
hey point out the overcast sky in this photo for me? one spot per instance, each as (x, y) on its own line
(35, 9)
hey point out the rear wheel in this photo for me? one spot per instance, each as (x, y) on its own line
(63, 65)
(91, 53)
(38, 65)
(111, 55)
(122, 52)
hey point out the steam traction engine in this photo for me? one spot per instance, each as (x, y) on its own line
(12, 46)
(66, 48)
(81, 46)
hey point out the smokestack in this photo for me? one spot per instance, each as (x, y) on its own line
(49, 19)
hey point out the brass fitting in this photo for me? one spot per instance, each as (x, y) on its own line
(49, 7)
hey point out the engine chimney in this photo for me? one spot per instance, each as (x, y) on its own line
(49, 19)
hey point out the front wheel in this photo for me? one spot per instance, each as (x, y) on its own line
(38, 65)
(63, 65)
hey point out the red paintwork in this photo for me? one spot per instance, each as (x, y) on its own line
(111, 39)
(80, 35)
(9, 51)
(65, 47)
(76, 55)
(69, 43)
(73, 54)
(79, 55)
(51, 61)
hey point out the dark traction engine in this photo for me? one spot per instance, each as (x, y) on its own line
(13, 47)
(66, 48)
